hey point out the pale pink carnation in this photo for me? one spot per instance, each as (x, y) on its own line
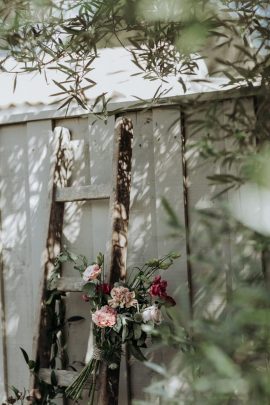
(153, 314)
(122, 297)
(91, 272)
(105, 317)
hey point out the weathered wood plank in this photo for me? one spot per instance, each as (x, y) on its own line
(142, 240)
(101, 138)
(17, 276)
(78, 129)
(200, 196)
(169, 184)
(158, 173)
(64, 377)
(3, 337)
(69, 284)
(38, 158)
(59, 172)
(120, 200)
(81, 193)
(100, 151)
(117, 241)
(245, 122)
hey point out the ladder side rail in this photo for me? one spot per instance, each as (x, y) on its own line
(61, 161)
(116, 256)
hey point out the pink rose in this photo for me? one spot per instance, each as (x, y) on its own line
(158, 288)
(91, 272)
(104, 317)
(122, 297)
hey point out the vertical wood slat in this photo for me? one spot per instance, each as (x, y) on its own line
(38, 172)
(101, 136)
(186, 211)
(157, 173)
(120, 200)
(100, 140)
(167, 135)
(18, 289)
(100, 150)
(143, 220)
(142, 240)
(77, 236)
(247, 122)
(59, 173)
(117, 250)
(261, 105)
(199, 192)
(167, 142)
(3, 337)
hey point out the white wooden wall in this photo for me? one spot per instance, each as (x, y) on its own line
(24, 177)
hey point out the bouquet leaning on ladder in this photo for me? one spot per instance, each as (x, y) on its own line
(120, 314)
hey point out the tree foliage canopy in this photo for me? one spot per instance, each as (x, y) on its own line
(164, 38)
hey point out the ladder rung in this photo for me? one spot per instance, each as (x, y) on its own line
(64, 377)
(69, 284)
(80, 193)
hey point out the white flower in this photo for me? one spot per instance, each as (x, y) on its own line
(152, 313)
(91, 272)
(174, 384)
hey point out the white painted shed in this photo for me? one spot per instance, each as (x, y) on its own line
(159, 170)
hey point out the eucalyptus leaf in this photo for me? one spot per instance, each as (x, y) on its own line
(125, 333)
(137, 330)
(117, 327)
(157, 368)
(90, 289)
(136, 352)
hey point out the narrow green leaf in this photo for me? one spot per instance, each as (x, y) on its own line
(31, 364)
(25, 355)
(15, 83)
(16, 392)
(53, 378)
(157, 368)
(75, 318)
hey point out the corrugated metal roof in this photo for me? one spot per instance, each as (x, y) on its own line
(113, 74)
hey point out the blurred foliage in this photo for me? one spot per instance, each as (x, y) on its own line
(221, 355)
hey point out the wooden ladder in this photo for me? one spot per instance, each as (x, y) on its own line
(116, 254)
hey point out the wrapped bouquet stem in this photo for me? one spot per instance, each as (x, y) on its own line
(88, 373)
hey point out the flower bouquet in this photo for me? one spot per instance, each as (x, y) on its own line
(120, 313)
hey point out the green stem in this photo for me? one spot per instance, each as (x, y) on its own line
(75, 389)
